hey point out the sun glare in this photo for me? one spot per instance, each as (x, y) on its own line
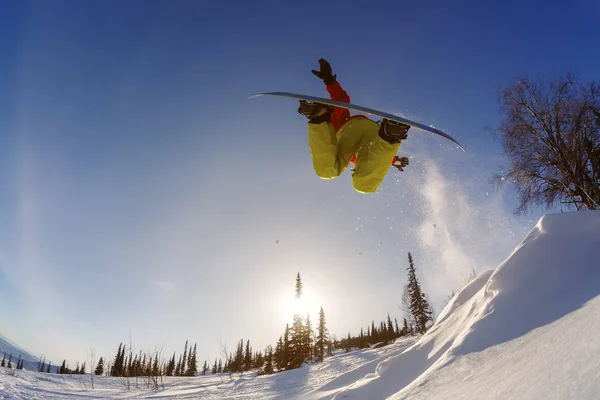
(309, 303)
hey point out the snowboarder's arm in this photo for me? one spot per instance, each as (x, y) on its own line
(340, 115)
(337, 93)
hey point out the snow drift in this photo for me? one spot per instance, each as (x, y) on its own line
(527, 330)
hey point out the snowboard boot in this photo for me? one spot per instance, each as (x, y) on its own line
(316, 113)
(393, 132)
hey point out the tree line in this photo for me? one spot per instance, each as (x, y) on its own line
(297, 345)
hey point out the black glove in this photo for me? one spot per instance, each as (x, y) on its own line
(325, 72)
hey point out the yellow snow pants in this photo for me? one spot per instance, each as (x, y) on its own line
(331, 153)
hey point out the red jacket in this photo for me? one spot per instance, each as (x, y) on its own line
(342, 115)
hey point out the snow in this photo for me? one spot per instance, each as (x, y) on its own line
(526, 330)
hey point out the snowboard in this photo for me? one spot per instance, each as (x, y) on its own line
(366, 110)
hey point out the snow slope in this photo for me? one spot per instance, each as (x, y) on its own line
(527, 330)
(31, 362)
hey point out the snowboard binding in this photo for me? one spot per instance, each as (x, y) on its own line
(316, 113)
(392, 131)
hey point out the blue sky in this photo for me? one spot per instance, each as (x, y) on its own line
(143, 193)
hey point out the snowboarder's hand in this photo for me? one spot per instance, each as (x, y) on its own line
(401, 163)
(325, 72)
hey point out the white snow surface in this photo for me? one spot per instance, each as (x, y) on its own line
(526, 330)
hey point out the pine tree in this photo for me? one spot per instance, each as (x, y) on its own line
(170, 366)
(10, 361)
(48, 368)
(204, 368)
(192, 362)
(220, 367)
(390, 328)
(308, 339)
(278, 354)
(100, 367)
(419, 307)
(405, 331)
(184, 360)
(42, 365)
(297, 347)
(19, 362)
(348, 345)
(178, 368)
(374, 336)
(298, 286)
(155, 366)
(63, 367)
(82, 369)
(397, 331)
(285, 356)
(247, 357)
(268, 368)
(214, 368)
(322, 337)
(117, 367)
(3, 360)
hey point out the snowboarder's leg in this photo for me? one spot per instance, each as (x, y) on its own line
(373, 158)
(331, 153)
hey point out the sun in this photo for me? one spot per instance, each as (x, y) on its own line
(308, 303)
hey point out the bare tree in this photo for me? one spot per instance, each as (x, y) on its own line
(92, 360)
(226, 356)
(551, 138)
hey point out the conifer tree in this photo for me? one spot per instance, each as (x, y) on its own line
(397, 332)
(100, 367)
(348, 345)
(285, 357)
(10, 361)
(220, 367)
(48, 368)
(184, 359)
(297, 345)
(308, 339)
(63, 367)
(19, 362)
(204, 368)
(155, 366)
(82, 369)
(42, 365)
(192, 362)
(3, 360)
(419, 307)
(405, 331)
(322, 337)
(278, 354)
(247, 357)
(298, 286)
(170, 370)
(214, 368)
(268, 368)
(178, 368)
(390, 328)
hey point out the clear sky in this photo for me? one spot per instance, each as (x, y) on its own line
(143, 195)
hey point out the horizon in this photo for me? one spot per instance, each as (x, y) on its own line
(146, 197)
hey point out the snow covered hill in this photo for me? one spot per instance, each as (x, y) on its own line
(7, 347)
(527, 330)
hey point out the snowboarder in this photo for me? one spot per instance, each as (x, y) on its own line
(335, 138)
